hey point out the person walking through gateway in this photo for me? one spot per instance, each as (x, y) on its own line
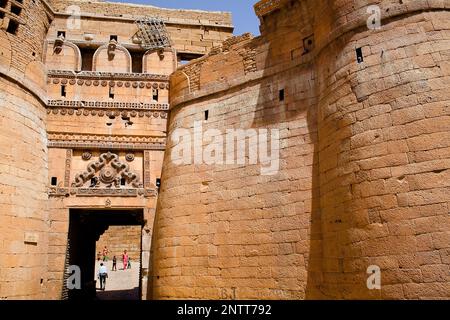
(102, 275)
(114, 267)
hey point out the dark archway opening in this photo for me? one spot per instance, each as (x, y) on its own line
(85, 229)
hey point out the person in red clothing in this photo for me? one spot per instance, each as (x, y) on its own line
(125, 260)
(114, 266)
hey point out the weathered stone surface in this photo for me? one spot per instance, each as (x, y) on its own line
(374, 190)
(88, 115)
(56, 122)
(120, 238)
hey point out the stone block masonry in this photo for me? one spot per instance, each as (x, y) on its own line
(120, 238)
(363, 180)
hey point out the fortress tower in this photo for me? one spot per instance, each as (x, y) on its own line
(24, 153)
(364, 160)
(348, 99)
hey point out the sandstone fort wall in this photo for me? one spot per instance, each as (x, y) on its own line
(118, 239)
(24, 157)
(363, 168)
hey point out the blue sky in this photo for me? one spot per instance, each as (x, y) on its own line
(244, 16)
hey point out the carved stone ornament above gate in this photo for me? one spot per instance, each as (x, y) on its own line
(87, 155)
(107, 172)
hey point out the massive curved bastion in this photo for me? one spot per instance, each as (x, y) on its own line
(363, 115)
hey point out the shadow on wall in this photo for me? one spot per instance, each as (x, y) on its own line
(288, 102)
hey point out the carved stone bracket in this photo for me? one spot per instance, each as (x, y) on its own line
(58, 192)
(112, 49)
(107, 113)
(58, 45)
(265, 7)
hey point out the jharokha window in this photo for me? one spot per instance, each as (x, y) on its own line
(10, 12)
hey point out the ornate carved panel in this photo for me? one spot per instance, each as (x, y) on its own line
(101, 109)
(73, 104)
(67, 169)
(59, 192)
(92, 141)
(107, 173)
(108, 192)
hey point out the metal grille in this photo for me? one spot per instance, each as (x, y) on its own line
(153, 33)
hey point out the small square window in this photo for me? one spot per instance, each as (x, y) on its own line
(13, 27)
(16, 10)
(54, 181)
(63, 91)
(281, 95)
(359, 55)
(113, 37)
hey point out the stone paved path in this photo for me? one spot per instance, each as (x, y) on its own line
(120, 285)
